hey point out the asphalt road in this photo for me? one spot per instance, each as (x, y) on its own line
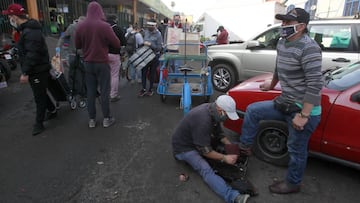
(128, 162)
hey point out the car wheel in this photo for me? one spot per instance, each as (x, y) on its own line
(223, 77)
(270, 143)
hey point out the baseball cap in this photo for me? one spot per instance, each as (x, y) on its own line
(227, 103)
(14, 9)
(296, 14)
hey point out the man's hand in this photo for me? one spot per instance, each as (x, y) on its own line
(265, 86)
(230, 158)
(24, 78)
(146, 43)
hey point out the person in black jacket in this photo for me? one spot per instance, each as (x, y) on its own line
(114, 58)
(34, 61)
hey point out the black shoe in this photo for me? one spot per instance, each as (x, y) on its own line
(50, 115)
(283, 187)
(38, 128)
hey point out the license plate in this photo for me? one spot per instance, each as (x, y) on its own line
(8, 56)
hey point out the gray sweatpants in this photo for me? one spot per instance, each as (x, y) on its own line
(97, 75)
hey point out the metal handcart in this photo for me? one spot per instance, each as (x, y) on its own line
(185, 75)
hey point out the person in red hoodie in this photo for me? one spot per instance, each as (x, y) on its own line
(223, 37)
(94, 36)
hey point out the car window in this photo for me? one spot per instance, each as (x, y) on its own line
(343, 78)
(269, 39)
(332, 37)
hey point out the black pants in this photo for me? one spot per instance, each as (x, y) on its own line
(151, 68)
(39, 83)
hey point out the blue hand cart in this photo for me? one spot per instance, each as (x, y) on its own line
(185, 75)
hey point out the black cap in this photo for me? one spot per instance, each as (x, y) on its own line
(297, 14)
(220, 28)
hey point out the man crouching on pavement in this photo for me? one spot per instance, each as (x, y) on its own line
(191, 143)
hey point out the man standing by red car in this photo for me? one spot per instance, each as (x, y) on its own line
(298, 69)
(223, 37)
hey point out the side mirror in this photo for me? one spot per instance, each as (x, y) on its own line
(355, 97)
(253, 44)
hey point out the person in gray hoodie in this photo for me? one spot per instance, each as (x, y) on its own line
(94, 36)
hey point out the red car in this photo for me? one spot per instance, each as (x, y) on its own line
(336, 138)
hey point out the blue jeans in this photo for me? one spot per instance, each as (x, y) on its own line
(215, 182)
(98, 74)
(297, 142)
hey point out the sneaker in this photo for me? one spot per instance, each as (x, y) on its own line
(244, 150)
(50, 115)
(108, 122)
(149, 93)
(92, 123)
(142, 93)
(115, 99)
(38, 128)
(241, 198)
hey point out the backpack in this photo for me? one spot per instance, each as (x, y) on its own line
(130, 43)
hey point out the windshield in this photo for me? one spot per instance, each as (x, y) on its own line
(343, 78)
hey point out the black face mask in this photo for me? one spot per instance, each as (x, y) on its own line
(218, 117)
(288, 31)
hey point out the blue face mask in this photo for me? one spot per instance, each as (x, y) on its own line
(288, 31)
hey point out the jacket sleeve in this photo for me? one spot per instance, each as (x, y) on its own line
(78, 42)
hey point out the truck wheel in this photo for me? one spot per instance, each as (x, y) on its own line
(222, 77)
(270, 143)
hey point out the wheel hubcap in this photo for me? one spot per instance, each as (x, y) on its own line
(221, 78)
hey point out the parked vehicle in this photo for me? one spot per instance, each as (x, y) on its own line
(338, 38)
(336, 138)
(10, 56)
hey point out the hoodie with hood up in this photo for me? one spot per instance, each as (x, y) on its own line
(33, 51)
(94, 35)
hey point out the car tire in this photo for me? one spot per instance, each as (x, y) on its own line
(270, 142)
(222, 77)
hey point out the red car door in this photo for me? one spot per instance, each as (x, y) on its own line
(341, 137)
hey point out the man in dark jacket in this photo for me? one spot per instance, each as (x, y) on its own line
(94, 36)
(34, 60)
(114, 58)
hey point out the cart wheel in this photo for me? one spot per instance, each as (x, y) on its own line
(73, 104)
(82, 103)
(162, 97)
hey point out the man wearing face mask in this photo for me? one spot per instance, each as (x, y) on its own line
(153, 40)
(298, 69)
(191, 143)
(34, 61)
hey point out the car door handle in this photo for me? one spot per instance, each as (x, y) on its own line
(344, 60)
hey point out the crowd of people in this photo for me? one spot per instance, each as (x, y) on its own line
(98, 43)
